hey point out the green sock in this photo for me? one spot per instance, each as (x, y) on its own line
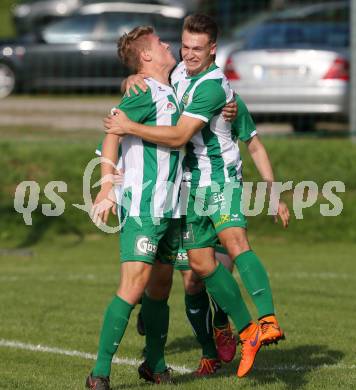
(197, 308)
(155, 316)
(114, 325)
(220, 318)
(255, 279)
(222, 286)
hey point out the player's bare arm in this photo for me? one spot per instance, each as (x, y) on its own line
(171, 136)
(105, 200)
(263, 164)
(132, 82)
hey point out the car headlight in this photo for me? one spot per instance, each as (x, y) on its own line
(62, 8)
(22, 10)
(7, 51)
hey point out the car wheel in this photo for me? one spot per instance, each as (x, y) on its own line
(7, 80)
(303, 125)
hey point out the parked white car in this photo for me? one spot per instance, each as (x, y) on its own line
(295, 63)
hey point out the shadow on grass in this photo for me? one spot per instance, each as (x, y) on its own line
(130, 386)
(182, 344)
(290, 366)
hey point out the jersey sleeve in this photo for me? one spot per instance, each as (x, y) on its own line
(208, 100)
(243, 127)
(137, 107)
(99, 148)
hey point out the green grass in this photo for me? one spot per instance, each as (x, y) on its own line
(58, 274)
(56, 298)
(44, 155)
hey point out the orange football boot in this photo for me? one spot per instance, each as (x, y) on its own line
(271, 331)
(250, 340)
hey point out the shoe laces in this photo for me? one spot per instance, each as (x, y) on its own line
(165, 376)
(206, 363)
(265, 325)
(102, 380)
(225, 335)
(243, 343)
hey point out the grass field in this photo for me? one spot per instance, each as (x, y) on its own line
(44, 155)
(6, 25)
(57, 276)
(55, 295)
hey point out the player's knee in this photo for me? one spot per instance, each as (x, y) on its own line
(237, 245)
(225, 260)
(132, 287)
(203, 268)
(131, 295)
(196, 266)
(193, 285)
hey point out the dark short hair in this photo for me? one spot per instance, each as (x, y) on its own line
(201, 24)
(131, 44)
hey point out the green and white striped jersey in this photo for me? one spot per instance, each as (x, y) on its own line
(212, 155)
(153, 173)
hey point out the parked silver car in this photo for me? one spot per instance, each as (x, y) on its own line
(296, 63)
(30, 15)
(80, 52)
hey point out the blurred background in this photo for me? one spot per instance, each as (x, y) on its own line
(290, 60)
(60, 75)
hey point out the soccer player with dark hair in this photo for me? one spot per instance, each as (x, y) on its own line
(215, 167)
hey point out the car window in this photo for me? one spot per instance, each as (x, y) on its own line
(318, 13)
(27, 1)
(71, 30)
(115, 1)
(281, 35)
(327, 14)
(118, 23)
(169, 29)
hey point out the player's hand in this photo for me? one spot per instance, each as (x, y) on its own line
(283, 214)
(230, 111)
(134, 81)
(119, 177)
(104, 202)
(116, 123)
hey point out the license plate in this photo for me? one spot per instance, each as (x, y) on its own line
(283, 72)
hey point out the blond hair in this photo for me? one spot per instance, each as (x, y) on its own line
(130, 46)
